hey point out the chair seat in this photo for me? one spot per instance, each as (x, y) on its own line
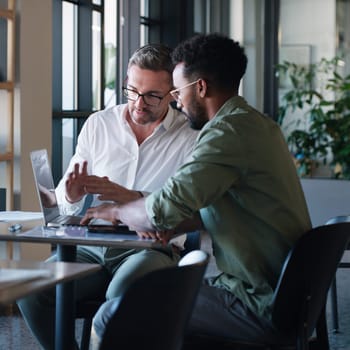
(86, 309)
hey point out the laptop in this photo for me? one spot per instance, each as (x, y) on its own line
(46, 191)
(48, 201)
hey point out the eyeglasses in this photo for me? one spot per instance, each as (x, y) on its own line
(175, 93)
(149, 99)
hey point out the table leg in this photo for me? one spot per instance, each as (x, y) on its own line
(65, 305)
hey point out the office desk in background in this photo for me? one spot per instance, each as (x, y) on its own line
(66, 240)
(22, 278)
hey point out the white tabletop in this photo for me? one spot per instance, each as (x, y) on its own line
(33, 231)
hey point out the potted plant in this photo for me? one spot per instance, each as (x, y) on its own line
(318, 97)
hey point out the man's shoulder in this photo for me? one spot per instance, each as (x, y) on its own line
(107, 112)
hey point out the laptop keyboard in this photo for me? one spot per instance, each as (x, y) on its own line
(68, 220)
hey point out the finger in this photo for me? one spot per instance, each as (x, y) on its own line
(85, 219)
(84, 168)
(76, 169)
(142, 234)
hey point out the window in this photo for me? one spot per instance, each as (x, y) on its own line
(93, 40)
(81, 83)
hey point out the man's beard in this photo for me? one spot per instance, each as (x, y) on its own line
(197, 116)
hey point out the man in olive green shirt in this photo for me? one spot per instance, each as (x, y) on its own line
(241, 186)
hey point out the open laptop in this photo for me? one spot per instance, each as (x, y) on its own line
(46, 191)
(48, 201)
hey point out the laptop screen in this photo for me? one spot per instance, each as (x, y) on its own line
(44, 184)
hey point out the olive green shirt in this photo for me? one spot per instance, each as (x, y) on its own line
(243, 181)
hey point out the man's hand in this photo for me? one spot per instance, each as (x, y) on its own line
(108, 190)
(75, 188)
(163, 236)
(106, 211)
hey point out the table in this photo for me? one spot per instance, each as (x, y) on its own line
(66, 239)
(48, 275)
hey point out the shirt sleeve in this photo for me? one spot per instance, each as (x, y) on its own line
(197, 184)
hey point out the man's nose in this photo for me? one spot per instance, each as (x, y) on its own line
(140, 101)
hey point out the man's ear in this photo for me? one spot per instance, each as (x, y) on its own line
(202, 87)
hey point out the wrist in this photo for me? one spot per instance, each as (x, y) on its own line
(71, 201)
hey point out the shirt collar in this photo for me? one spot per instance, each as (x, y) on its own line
(166, 123)
(233, 103)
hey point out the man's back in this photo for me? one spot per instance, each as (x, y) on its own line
(243, 179)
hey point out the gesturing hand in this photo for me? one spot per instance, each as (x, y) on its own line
(75, 187)
(108, 190)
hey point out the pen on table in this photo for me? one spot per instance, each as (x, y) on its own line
(15, 227)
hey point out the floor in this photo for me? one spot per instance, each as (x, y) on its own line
(14, 334)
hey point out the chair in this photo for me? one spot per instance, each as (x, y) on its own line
(333, 290)
(300, 296)
(154, 310)
(86, 309)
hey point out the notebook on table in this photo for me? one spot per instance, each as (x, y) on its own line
(48, 201)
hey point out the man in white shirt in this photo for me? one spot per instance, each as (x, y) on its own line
(122, 153)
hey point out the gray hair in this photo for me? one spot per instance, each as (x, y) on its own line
(155, 57)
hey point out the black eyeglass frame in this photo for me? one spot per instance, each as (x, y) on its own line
(144, 96)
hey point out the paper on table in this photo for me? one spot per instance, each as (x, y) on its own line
(10, 216)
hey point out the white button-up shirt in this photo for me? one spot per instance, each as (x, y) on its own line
(109, 145)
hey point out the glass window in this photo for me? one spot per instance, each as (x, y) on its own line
(110, 51)
(69, 55)
(144, 28)
(343, 32)
(96, 60)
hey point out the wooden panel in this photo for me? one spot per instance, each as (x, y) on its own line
(8, 157)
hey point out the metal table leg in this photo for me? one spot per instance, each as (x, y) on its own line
(65, 305)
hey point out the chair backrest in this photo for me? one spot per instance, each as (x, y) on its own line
(154, 311)
(306, 276)
(338, 219)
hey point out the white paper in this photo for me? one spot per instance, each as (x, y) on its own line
(14, 216)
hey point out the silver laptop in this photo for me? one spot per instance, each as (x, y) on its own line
(48, 201)
(46, 191)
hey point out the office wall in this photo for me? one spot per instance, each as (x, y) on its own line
(309, 22)
(34, 93)
(33, 106)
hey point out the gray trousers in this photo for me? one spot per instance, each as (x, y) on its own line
(120, 267)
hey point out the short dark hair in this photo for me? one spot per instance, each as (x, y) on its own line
(155, 57)
(213, 57)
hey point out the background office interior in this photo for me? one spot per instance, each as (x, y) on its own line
(71, 59)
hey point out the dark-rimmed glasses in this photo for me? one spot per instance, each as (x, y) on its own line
(149, 99)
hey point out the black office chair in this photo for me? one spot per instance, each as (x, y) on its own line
(342, 264)
(86, 309)
(300, 296)
(154, 310)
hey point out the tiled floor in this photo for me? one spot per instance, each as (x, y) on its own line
(341, 340)
(14, 334)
